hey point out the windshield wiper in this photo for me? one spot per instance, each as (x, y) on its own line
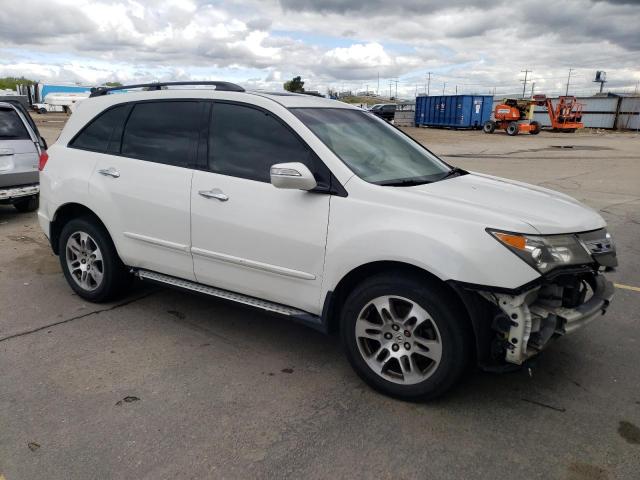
(403, 182)
(454, 172)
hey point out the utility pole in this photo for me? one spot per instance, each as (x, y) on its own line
(444, 85)
(568, 81)
(524, 87)
(426, 90)
(396, 97)
(533, 86)
(378, 89)
(390, 82)
(456, 89)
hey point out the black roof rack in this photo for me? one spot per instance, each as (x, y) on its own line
(220, 86)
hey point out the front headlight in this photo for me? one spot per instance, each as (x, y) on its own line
(545, 252)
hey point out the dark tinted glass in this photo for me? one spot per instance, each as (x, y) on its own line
(104, 129)
(11, 126)
(163, 132)
(246, 142)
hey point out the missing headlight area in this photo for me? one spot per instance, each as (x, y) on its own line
(526, 322)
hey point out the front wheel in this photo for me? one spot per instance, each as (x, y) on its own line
(405, 337)
(535, 128)
(512, 129)
(90, 262)
(489, 126)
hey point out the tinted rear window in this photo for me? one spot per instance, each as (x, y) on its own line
(11, 126)
(163, 132)
(103, 134)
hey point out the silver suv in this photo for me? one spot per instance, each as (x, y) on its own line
(21, 150)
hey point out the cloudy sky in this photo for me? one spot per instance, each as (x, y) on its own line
(475, 46)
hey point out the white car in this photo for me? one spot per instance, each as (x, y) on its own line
(43, 108)
(317, 210)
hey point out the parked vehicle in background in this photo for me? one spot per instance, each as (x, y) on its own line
(21, 150)
(319, 211)
(43, 108)
(66, 101)
(386, 111)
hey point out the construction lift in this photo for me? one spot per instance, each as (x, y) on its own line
(514, 115)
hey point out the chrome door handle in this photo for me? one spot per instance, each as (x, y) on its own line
(214, 193)
(109, 172)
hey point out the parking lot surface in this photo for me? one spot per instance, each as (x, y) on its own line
(164, 384)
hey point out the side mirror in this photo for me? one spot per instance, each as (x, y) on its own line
(294, 175)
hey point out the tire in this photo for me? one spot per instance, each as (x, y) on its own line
(536, 128)
(404, 370)
(28, 204)
(512, 129)
(42, 111)
(489, 126)
(109, 278)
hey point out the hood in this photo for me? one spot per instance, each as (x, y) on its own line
(510, 203)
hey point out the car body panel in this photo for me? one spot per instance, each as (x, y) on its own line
(263, 241)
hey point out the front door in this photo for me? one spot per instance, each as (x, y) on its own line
(247, 235)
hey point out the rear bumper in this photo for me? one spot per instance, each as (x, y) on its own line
(11, 193)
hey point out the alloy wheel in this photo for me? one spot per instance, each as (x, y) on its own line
(398, 340)
(84, 261)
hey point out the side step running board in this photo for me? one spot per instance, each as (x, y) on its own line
(295, 313)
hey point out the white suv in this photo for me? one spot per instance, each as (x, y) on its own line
(314, 209)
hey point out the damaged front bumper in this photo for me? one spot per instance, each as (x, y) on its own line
(526, 322)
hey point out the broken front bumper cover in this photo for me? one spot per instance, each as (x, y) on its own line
(530, 319)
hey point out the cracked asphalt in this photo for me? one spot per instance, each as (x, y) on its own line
(164, 385)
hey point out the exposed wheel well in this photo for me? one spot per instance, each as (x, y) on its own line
(65, 213)
(355, 276)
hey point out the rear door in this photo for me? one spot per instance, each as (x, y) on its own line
(18, 150)
(144, 186)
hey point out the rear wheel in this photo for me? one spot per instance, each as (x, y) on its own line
(28, 204)
(535, 128)
(512, 129)
(90, 261)
(405, 337)
(489, 126)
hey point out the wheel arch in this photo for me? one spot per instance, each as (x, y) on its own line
(335, 298)
(64, 214)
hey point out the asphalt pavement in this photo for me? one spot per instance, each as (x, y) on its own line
(165, 385)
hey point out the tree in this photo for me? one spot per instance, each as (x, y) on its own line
(113, 84)
(294, 85)
(9, 83)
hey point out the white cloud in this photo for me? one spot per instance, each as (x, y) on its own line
(474, 45)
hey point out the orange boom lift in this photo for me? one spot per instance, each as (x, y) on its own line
(514, 115)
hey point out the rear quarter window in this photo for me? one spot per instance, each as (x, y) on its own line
(11, 126)
(104, 132)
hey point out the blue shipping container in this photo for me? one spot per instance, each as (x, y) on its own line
(47, 88)
(455, 111)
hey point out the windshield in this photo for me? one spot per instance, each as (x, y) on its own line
(371, 148)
